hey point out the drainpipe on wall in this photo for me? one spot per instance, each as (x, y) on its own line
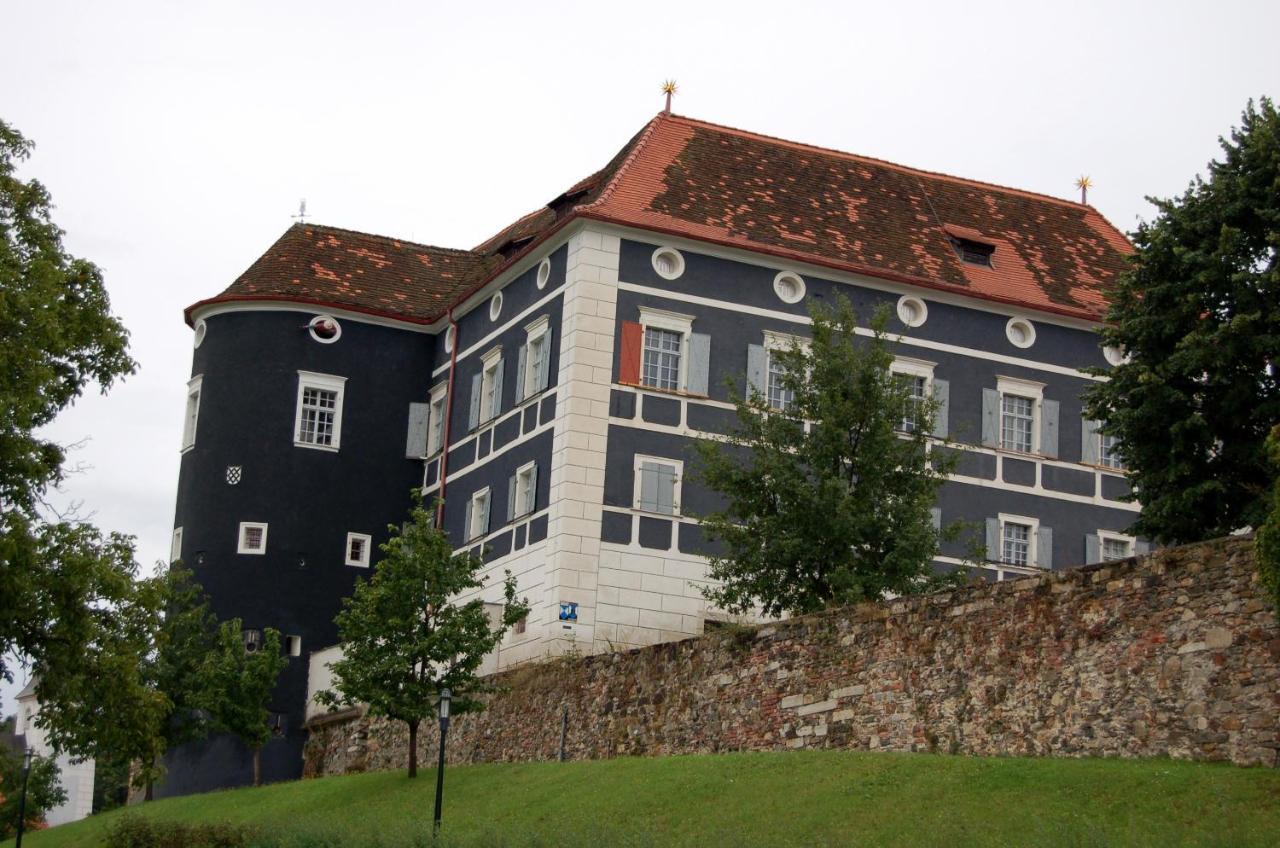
(448, 419)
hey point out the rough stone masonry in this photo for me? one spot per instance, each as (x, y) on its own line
(1175, 654)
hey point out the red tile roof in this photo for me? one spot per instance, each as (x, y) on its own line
(703, 181)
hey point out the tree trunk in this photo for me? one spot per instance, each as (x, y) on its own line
(413, 749)
(257, 766)
(150, 793)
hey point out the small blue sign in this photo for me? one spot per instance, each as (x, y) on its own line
(569, 611)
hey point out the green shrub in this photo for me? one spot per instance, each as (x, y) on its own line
(133, 831)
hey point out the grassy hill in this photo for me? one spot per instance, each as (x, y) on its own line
(783, 799)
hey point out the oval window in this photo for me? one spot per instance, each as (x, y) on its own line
(668, 263)
(325, 329)
(912, 311)
(1021, 333)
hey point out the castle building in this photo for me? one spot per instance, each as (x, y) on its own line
(548, 384)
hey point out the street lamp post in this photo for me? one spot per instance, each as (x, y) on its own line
(445, 695)
(22, 801)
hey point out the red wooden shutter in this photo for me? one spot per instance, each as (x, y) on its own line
(629, 353)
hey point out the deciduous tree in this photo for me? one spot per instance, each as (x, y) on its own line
(44, 792)
(1198, 316)
(836, 511)
(240, 683)
(404, 635)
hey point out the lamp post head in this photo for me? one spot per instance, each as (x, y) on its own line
(445, 696)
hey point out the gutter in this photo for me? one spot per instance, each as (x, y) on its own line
(448, 420)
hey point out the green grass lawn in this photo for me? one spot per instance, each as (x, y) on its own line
(800, 798)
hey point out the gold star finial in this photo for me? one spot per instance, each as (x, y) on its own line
(669, 88)
(1084, 184)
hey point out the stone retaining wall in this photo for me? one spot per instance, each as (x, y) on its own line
(1172, 654)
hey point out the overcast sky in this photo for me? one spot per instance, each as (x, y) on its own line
(178, 137)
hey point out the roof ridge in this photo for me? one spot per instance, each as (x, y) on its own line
(907, 168)
(460, 250)
(639, 145)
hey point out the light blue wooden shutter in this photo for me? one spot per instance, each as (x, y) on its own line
(484, 514)
(1092, 549)
(1142, 547)
(511, 496)
(1049, 429)
(699, 363)
(991, 418)
(1089, 442)
(935, 517)
(497, 390)
(416, 444)
(993, 539)
(473, 420)
(466, 523)
(666, 489)
(1044, 547)
(941, 394)
(544, 373)
(533, 490)
(521, 361)
(757, 377)
(649, 486)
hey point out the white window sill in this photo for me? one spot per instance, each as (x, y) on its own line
(186, 449)
(309, 445)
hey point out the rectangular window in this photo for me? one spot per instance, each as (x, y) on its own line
(534, 361)
(253, 538)
(193, 413)
(526, 490)
(319, 417)
(175, 547)
(657, 486)
(780, 396)
(435, 424)
(1015, 546)
(1115, 549)
(661, 364)
(915, 386)
(520, 626)
(358, 549)
(491, 385)
(293, 645)
(1107, 455)
(1017, 423)
(478, 515)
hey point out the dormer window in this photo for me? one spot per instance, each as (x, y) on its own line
(973, 252)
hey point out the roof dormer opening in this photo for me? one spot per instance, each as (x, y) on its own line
(973, 252)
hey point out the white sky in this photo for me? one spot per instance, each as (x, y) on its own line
(177, 138)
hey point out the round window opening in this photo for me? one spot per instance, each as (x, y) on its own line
(1020, 332)
(449, 336)
(495, 306)
(544, 273)
(668, 263)
(912, 311)
(325, 329)
(202, 330)
(1114, 354)
(788, 287)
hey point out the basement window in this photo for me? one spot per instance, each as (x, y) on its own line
(973, 252)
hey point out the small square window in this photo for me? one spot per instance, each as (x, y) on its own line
(358, 549)
(253, 538)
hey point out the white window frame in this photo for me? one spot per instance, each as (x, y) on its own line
(175, 545)
(242, 536)
(489, 373)
(473, 518)
(1130, 542)
(366, 545)
(437, 409)
(293, 646)
(191, 415)
(774, 342)
(525, 499)
(1033, 540)
(676, 492)
(534, 332)
(1102, 454)
(1026, 389)
(327, 383)
(911, 367)
(675, 322)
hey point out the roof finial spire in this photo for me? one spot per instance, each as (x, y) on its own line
(1084, 184)
(301, 215)
(668, 88)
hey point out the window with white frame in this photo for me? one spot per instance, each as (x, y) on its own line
(435, 416)
(1107, 455)
(318, 422)
(664, 359)
(478, 515)
(253, 538)
(175, 546)
(293, 645)
(1020, 403)
(778, 394)
(526, 495)
(1018, 540)
(491, 384)
(916, 376)
(193, 413)
(657, 484)
(537, 356)
(1115, 546)
(358, 549)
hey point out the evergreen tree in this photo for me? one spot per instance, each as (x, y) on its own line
(836, 512)
(1198, 315)
(405, 637)
(240, 683)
